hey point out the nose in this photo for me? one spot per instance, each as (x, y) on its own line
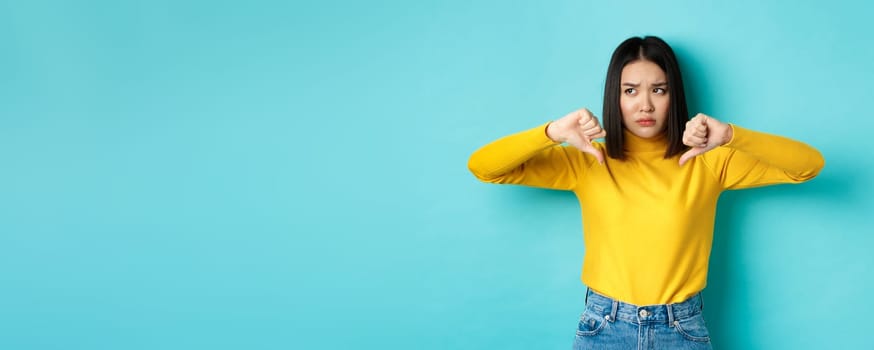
(646, 104)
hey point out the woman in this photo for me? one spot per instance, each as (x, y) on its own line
(648, 195)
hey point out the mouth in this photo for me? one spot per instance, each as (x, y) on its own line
(645, 122)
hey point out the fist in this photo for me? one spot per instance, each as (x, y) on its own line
(704, 133)
(579, 128)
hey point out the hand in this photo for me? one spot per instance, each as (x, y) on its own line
(579, 128)
(703, 133)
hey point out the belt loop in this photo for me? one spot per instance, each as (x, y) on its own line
(670, 315)
(613, 312)
(586, 300)
(701, 298)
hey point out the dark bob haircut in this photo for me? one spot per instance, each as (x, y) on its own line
(655, 50)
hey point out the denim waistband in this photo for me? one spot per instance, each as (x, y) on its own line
(664, 313)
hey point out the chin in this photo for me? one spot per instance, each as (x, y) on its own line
(646, 134)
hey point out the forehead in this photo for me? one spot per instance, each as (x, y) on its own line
(642, 70)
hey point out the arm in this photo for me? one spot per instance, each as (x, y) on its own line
(759, 159)
(526, 158)
(535, 158)
(744, 158)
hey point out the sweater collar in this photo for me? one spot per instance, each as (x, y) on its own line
(634, 143)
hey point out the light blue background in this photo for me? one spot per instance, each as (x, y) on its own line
(292, 175)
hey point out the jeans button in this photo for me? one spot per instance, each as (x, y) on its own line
(644, 313)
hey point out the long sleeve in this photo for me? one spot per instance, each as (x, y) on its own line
(527, 158)
(752, 159)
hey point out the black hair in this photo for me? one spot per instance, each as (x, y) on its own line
(655, 50)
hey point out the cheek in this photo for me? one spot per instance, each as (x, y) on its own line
(627, 106)
(663, 106)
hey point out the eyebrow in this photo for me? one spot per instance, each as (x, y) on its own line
(659, 84)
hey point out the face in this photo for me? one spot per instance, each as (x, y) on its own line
(644, 98)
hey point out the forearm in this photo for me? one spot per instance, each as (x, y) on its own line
(800, 160)
(508, 153)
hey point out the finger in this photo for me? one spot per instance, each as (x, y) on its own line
(700, 133)
(599, 135)
(694, 141)
(692, 153)
(588, 124)
(579, 142)
(695, 124)
(586, 146)
(597, 153)
(593, 131)
(585, 115)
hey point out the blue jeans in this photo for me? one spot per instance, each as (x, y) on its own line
(611, 324)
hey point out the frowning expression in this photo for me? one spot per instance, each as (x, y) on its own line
(645, 98)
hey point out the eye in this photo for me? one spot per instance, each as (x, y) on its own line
(660, 91)
(630, 91)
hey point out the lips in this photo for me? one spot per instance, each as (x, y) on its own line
(645, 122)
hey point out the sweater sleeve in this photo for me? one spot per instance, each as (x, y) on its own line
(752, 159)
(527, 158)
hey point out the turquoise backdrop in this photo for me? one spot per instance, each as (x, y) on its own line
(292, 175)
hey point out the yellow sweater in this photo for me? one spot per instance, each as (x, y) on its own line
(647, 222)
